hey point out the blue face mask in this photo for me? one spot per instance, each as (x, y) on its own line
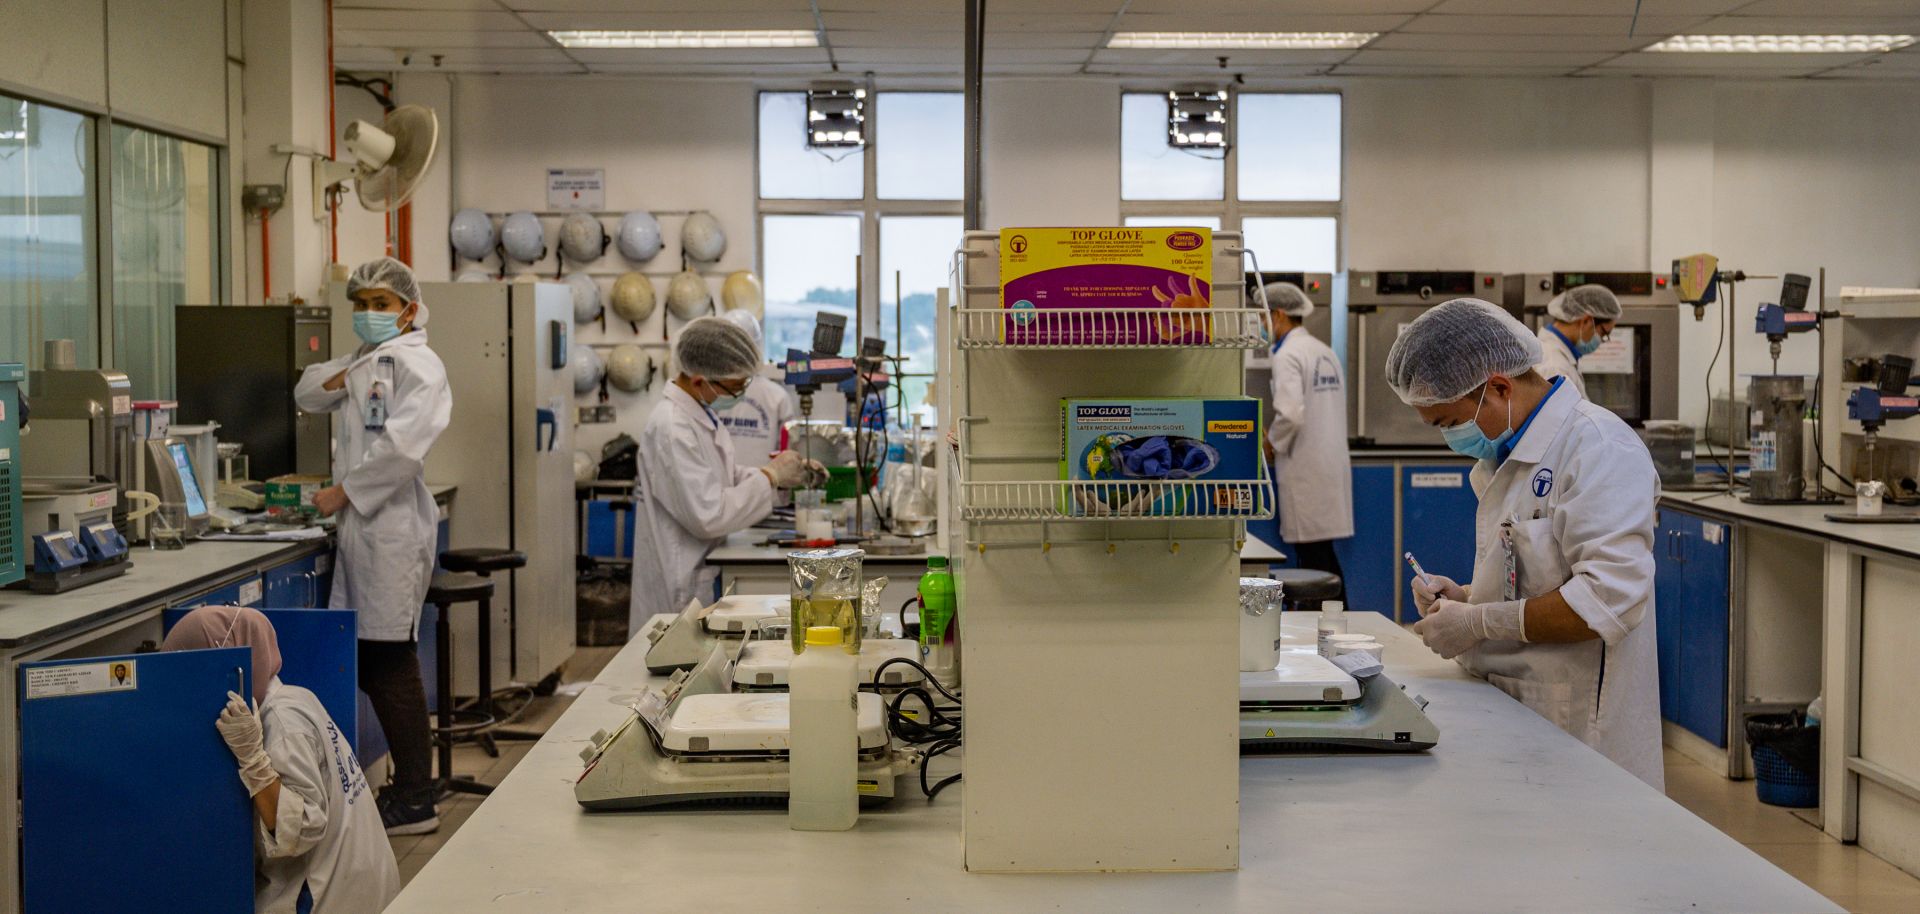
(375, 327)
(725, 401)
(1468, 440)
(1587, 346)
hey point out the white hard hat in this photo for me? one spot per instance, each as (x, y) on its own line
(587, 368)
(629, 368)
(523, 237)
(582, 238)
(701, 238)
(472, 234)
(474, 276)
(741, 292)
(746, 322)
(688, 296)
(632, 298)
(639, 236)
(584, 467)
(586, 297)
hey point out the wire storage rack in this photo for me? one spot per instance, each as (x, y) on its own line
(1110, 328)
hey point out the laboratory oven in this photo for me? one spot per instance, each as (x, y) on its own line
(1636, 372)
(1379, 304)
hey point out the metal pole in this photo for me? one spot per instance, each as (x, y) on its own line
(975, 46)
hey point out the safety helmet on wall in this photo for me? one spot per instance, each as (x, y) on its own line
(639, 237)
(632, 299)
(472, 234)
(523, 237)
(745, 321)
(585, 468)
(473, 276)
(586, 297)
(629, 368)
(742, 292)
(582, 238)
(687, 296)
(587, 368)
(701, 238)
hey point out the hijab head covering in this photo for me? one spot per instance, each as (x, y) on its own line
(230, 626)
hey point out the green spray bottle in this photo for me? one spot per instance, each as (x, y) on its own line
(937, 611)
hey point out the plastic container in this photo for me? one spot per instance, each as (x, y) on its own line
(1260, 603)
(1671, 444)
(825, 590)
(823, 742)
(1333, 621)
(1368, 646)
(937, 607)
(812, 520)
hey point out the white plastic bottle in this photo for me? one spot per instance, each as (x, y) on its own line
(823, 741)
(1333, 621)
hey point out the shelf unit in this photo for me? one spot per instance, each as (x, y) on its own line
(1056, 640)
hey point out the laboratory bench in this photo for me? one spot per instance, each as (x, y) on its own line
(1507, 813)
(1761, 608)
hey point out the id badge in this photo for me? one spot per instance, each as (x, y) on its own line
(378, 392)
(1511, 586)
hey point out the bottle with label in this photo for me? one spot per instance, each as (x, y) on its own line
(823, 738)
(1333, 621)
(937, 608)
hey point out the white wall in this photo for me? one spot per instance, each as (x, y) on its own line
(1050, 154)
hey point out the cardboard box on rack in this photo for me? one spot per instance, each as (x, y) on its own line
(1150, 447)
(1113, 268)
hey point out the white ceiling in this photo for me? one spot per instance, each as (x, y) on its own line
(1058, 37)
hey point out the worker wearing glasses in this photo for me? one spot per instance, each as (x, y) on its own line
(1578, 321)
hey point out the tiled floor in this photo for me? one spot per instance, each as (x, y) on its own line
(413, 851)
(1851, 877)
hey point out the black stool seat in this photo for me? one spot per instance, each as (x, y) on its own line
(482, 561)
(458, 588)
(1307, 585)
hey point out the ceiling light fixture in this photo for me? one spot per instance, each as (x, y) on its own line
(1782, 44)
(685, 38)
(836, 118)
(1275, 41)
(1197, 120)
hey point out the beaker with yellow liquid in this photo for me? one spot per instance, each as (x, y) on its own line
(826, 590)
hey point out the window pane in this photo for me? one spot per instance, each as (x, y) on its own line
(789, 169)
(1290, 243)
(1152, 170)
(1212, 222)
(1289, 147)
(919, 138)
(163, 249)
(918, 248)
(808, 262)
(46, 232)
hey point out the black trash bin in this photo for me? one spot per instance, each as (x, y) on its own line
(1786, 759)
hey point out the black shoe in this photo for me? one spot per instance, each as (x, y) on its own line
(403, 818)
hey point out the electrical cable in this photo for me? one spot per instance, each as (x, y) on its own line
(938, 750)
(1720, 344)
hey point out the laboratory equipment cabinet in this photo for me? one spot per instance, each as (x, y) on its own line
(1693, 561)
(237, 366)
(1136, 610)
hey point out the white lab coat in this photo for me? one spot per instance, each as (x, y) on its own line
(1580, 488)
(1309, 438)
(1558, 361)
(690, 493)
(755, 422)
(327, 835)
(387, 532)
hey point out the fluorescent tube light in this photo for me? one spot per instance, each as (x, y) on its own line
(1782, 44)
(686, 38)
(1281, 41)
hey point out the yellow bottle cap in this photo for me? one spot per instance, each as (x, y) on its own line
(823, 634)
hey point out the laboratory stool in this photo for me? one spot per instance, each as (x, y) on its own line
(447, 590)
(484, 561)
(1305, 588)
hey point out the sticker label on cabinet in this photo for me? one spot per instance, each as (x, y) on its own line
(250, 593)
(1437, 480)
(82, 679)
(1712, 532)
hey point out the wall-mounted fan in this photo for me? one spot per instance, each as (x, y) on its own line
(387, 162)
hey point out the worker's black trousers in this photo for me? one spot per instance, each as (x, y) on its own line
(390, 675)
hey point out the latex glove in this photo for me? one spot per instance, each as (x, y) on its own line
(1434, 587)
(789, 470)
(1452, 628)
(240, 727)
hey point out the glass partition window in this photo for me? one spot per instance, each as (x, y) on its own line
(915, 249)
(165, 248)
(1289, 147)
(809, 263)
(46, 232)
(1303, 243)
(921, 144)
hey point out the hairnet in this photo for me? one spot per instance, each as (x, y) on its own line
(1286, 298)
(1580, 301)
(393, 276)
(230, 626)
(1453, 348)
(716, 348)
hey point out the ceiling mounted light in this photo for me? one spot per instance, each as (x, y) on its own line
(1781, 44)
(687, 38)
(1197, 120)
(1273, 41)
(836, 118)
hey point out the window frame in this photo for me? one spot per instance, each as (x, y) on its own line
(1230, 208)
(871, 289)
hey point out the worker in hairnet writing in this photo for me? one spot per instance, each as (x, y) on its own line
(1559, 611)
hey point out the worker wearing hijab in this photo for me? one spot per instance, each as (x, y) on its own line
(390, 402)
(318, 838)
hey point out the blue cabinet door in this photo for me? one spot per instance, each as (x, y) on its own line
(1368, 558)
(319, 653)
(1706, 555)
(1437, 508)
(248, 591)
(294, 585)
(1669, 611)
(128, 798)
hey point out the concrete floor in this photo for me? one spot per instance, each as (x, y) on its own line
(1851, 877)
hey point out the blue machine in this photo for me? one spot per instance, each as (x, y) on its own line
(1872, 409)
(13, 559)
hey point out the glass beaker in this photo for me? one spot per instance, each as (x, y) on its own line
(812, 519)
(169, 528)
(825, 590)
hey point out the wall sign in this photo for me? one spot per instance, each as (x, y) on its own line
(577, 188)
